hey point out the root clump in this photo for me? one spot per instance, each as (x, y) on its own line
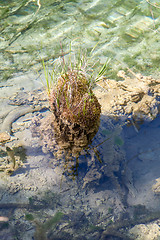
(75, 115)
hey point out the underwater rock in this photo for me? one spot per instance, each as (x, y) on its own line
(75, 116)
(156, 186)
(4, 137)
(137, 98)
(148, 231)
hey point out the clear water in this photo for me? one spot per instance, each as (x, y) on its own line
(118, 189)
(126, 31)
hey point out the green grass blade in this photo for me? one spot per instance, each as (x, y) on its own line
(103, 70)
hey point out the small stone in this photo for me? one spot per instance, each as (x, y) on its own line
(4, 137)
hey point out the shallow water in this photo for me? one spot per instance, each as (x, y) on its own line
(115, 176)
(127, 32)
